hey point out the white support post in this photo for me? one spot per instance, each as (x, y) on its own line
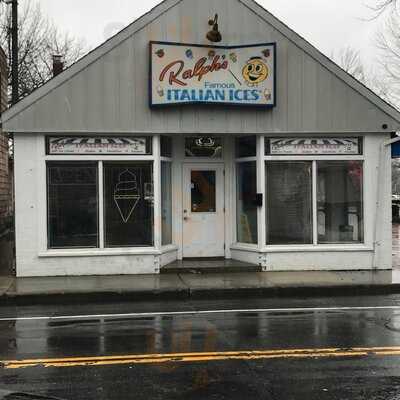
(157, 192)
(262, 234)
(314, 203)
(229, 194)
(43, 233)
(101, 204)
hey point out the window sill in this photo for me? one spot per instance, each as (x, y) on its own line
(99, 252)
(244, 247)
(301, 248)
(168, 248)
(315, 248)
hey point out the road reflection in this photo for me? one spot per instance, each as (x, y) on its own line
(197, 333)
(177, 334)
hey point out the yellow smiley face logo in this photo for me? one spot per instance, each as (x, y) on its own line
(255, 71)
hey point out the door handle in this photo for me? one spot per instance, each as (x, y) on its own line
(185, 218)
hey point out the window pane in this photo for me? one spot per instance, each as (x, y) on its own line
(246, 210)
(203, 146)
(246, 146)
(166, 203)
(340, 203)
(128, 204)
(203, 191)
(166, 146)
(289, 204)
(72, 205)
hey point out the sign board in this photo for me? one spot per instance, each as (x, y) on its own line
(96, 145)
(313, 146)
(187, 73)
(395, 149)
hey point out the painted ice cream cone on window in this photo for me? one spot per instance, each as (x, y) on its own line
(126, 194)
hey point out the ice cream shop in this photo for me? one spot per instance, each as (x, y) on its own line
(203, 130)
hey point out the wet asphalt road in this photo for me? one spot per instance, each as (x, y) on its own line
(337, 377)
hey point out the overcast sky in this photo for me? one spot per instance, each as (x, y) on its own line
(328, 24)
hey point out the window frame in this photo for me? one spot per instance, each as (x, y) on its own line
(362, 192)
(236, 161)
(239, 161)
(45, 251)
(311, 194)
(265, 158)
(111, 164)
(48, 240)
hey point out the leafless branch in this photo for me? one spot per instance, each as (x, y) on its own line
(39, 40)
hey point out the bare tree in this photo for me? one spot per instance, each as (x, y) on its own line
(350, 60)
(388, 43)
(39, 40)
(379, 7)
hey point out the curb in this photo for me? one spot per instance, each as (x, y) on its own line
(15, 299)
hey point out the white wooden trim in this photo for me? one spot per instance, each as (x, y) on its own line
(261, 184)
(157, 192)
(333, 157)
(100, 193)
(221, 132)
(169, 248)
(99, 252)
(314, 202)
(245, 247)
(42, 223)
(229, 193)
(312, 248)
(98, 157)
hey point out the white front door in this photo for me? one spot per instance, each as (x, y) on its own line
(203, 210)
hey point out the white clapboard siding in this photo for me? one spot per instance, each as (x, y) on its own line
(107, 91)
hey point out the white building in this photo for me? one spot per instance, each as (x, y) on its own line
(114, 175)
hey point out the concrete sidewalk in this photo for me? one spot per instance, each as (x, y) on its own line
(185, 285)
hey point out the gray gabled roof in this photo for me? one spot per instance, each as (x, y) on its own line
(163, 7)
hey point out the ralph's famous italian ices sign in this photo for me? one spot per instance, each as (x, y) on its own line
(183, 73)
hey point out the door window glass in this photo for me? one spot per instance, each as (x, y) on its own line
(128, 204)
(72, 204)
(202, 191)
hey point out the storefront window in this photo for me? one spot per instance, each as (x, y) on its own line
(340, 204)
(72, 204)
(246, 146)
(166, 203)
(289, 202)
(246, 209)
(128, 204)
(166, 146)
(203, 146)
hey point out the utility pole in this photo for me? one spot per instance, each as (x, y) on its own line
(13, 31)
(14, 36)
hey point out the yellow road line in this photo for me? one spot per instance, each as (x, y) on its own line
(203, 357)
